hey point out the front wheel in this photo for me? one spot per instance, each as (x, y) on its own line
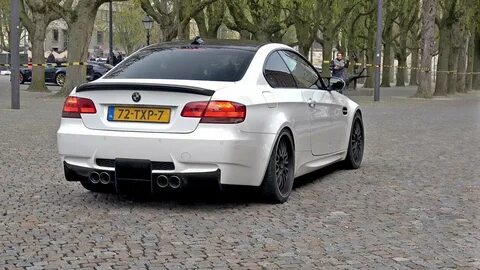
(356, 144)
(278, 181)
(21, 79)
(60, 79)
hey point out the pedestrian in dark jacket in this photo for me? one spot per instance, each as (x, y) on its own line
(112, 59)
(119, 58)
(51, 58)
(338, 66)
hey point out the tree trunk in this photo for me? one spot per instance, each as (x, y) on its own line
(402, 61)
(305, 39)
(387, 59)
(452, 67)
(476, 62)
(370, 58)
(79, 35)
(38, 57)
(462, 65)
(244, 34)
(428, 43)
(326, 57)
(261, 36)
(471, 49)
(414, 71)
(304, 49)
(183, 30)
(442, 65)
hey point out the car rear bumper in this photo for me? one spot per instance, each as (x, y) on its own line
(241, 157)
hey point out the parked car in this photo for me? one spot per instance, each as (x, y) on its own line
(237, 113)
(99, 68)
(53, 74)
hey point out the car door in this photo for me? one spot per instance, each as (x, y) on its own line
(319, 102)
(291, 102)
(50, 73)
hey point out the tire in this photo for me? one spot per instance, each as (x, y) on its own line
(100, 188)
(60, 79)
(356, 144)
(278, 181)
(21, 79)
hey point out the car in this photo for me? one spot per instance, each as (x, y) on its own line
(53, 74)
(99, 68)
(234, 112)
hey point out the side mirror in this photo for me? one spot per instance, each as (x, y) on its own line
(336, 84)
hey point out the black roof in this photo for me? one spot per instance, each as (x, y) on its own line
(250, 45)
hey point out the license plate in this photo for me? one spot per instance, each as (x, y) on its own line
(138, 114)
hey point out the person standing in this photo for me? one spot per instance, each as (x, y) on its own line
(119, 57)
(338, 66)
(51, 58)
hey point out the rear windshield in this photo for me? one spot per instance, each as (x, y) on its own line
(191, 63)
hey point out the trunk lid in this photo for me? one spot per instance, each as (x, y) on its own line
(162, 96)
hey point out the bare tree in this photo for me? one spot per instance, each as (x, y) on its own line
(36, 15)
(174, 16)
(80, 17)
(428, 44)
(210, 19)
(263, 19)
(447, 45)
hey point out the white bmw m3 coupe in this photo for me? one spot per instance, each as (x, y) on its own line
(237, 113)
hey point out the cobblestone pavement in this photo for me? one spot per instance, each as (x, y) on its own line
(415, 203)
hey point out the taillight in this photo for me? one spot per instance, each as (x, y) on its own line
(74, 106)
(219, 112)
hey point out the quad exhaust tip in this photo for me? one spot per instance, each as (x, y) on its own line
(162, 181)
(104, 178)
(175, 182)
(94, 177)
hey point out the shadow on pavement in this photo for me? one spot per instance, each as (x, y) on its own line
(209, 194)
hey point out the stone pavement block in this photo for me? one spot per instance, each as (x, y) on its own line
(412, 204)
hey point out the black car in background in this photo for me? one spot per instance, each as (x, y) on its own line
(53, 74)
(99, 68)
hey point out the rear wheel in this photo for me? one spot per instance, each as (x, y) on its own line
(21, 79)
(60, 79)
(278, 181)
(356, 144)
(97, 187)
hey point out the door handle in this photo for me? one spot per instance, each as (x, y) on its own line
(311, 103)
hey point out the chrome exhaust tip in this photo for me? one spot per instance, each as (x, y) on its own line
(162, 181)
(94, 177)
(104, 178)
(175, 182)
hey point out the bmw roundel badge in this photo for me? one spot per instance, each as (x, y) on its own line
(136, 97)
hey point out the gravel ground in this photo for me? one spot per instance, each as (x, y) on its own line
(415, 203)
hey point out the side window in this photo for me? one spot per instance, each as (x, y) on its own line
(277, 73)
(302, 72)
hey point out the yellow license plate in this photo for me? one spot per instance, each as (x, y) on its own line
(138, 114)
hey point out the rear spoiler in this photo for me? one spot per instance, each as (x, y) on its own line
(101, 86)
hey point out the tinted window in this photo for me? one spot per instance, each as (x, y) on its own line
(189, 63)
(277, 73)
(304, 75)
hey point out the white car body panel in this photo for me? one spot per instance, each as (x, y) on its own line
(240, 151)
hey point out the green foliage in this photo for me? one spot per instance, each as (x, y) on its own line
(129, 32)
(266, 20)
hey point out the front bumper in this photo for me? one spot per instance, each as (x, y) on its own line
(241, 157)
